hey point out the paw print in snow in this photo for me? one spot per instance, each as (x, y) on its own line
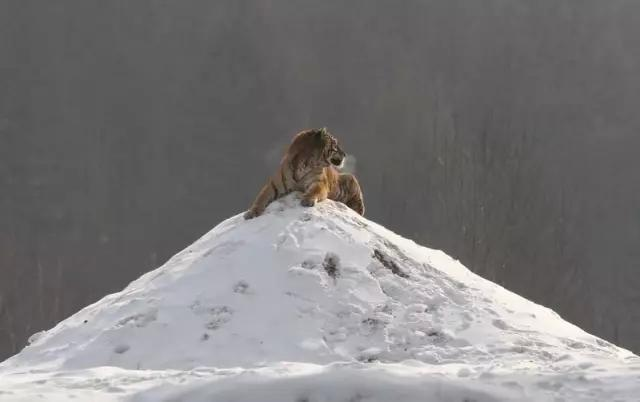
(120, 349)
(220, 315)
(139, 320)
(371, 325)
(241, 287)
(389, 263)
(216, 316)
(331, 265)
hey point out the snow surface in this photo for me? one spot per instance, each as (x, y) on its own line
(316, 305)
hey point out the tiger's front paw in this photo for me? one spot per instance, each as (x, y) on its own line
(250, 214)
(308, 202)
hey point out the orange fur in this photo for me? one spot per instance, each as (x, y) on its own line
(308, 167)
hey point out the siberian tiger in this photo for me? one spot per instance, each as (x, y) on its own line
(310, 166)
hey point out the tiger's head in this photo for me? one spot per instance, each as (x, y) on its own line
(317, 146)
(332, 154)
(320, 146)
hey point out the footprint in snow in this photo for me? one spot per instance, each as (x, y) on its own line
(139, 320)
(220, 316)
(120, 349)
(331, 265)
(216, 316)
(241, 287)
(389, 263)
(500, 324)
(371, 325)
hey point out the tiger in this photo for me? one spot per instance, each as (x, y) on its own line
(311, 166)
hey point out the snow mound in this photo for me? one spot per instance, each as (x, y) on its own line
(316, 304)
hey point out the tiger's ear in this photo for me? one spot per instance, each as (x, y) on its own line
(321, 132)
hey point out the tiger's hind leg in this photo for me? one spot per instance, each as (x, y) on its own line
(351, 193)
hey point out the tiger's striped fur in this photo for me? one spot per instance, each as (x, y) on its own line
(310, 166)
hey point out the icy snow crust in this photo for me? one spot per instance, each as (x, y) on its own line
(310, 305)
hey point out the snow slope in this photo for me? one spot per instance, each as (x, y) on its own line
(316, 304)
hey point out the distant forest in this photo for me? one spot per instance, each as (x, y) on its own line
(504, 132)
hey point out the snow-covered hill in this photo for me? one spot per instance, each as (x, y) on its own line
(310, 305)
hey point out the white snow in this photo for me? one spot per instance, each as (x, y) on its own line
(316, 305)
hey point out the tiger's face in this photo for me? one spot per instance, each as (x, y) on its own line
(332, 154)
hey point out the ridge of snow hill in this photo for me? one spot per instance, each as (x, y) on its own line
(316, 305)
